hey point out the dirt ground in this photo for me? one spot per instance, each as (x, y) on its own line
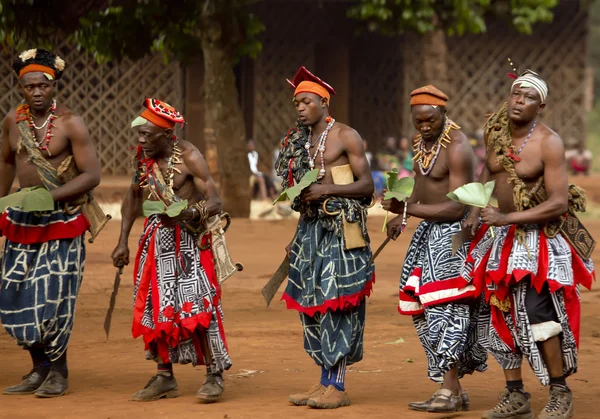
(266, 347)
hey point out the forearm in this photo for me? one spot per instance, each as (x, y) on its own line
(7, 176)
(362, 188)
(130, 210)
(214, 205)
(484, 178)
(445, 211)
(546, 211)
(73, 189)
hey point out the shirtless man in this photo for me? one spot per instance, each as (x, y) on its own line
(44, 253)
(185, 324)
(330, 273)
(532, 276)
(431, 288)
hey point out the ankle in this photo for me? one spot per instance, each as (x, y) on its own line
(515, 385)
(165, 369)
(453, 387)
(559, 382)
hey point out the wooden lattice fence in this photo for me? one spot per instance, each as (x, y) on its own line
(477, 67)
(107, 96)
(376, 88)
(374, 65)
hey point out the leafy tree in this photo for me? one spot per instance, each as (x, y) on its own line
(220, 30)
(435, 19)
(454, 16)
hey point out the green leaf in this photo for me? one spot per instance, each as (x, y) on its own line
(153, 207)
(475, 194)
(401, 189)
(397, 341)
(38, 199)
(390, 178)
(292, 192)
(29, 199)
(398, 189)
(176, 207)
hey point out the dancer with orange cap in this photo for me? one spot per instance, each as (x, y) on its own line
(442, 303)
(46, 145)
(330, 271)
(177, 297)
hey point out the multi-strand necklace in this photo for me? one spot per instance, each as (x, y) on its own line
(173, 160)
(44, 143)
(426, 158)
(320, 148)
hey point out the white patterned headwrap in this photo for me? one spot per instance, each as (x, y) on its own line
(531, 79)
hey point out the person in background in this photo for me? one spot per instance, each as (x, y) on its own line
(579, 160)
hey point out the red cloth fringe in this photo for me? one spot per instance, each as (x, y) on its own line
(340, 303)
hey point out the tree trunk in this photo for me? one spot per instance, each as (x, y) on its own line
(435, 60)
(224, 116)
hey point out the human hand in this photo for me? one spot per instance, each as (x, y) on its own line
(393, 205)
(394, 228)
(314, 192)
(493, 217)
(120, 255)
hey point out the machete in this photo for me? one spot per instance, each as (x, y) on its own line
(113, 299)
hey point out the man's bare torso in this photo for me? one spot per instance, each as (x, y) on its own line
(183, 183)
(59, 146)
(433, 189)
(335, 152)
(530, 167)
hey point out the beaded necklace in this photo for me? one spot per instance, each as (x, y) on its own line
(173, 160)
(44, 143)
(320, 148)
(426, 158)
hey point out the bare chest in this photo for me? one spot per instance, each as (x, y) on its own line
(52, 141)
(529, 166)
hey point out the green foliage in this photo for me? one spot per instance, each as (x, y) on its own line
(150, 208)
(398, 189)
(456, 17)
(114, 29)
(474, 194)
(29, 199)
(292, 192)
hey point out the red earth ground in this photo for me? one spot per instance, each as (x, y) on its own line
(269, 362)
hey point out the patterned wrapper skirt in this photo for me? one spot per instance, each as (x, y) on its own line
(532, 287)
(177, 297)
(328, 285)
(444, 305)
(41, 268)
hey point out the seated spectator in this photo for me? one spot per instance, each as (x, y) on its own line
(262, 185)
(579, 160)
(386, 159)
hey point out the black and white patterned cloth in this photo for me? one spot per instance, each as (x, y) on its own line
(444, 305)
(509, 267)
(177, 298)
